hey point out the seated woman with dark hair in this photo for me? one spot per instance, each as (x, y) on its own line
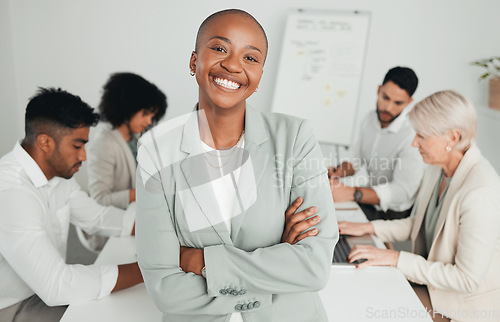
(129, 105)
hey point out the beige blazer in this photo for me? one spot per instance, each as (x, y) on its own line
(462, 271)
(111, 167)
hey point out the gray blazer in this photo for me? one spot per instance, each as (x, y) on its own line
(111, 168)
(248, 270)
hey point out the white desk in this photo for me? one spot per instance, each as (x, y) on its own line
(129, 305)
(369, 294)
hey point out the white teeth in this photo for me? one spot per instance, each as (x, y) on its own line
(226, 83)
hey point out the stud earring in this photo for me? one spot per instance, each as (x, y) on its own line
(191, 73)
(256, 90)
(448, 149)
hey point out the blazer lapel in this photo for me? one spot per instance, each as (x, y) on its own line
(423, 202)
(463, 169)
(253, 167)
(194, 169)
(131, 165)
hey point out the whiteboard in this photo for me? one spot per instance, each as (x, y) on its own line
(320, 69)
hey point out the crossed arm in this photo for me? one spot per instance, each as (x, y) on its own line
(296, 229)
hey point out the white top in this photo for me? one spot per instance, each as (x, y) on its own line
(394, 167)
(34, 225)
(226, 192)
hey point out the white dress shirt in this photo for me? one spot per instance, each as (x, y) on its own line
(394, 167)
(34, 224)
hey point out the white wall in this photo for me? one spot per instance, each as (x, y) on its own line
(11, 115)
(77, 44)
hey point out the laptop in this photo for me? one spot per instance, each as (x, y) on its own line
(344, 246)
(350, 211)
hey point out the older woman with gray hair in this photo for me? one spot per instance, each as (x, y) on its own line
(455, 224)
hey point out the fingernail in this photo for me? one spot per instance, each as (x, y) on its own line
(299, 199)
(315, 219)
(340, 231)
(311, 210)
(314, 231)
(357, 266)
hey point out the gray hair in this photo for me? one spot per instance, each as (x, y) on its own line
(443, 111)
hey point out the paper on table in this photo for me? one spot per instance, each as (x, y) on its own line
(349, 211)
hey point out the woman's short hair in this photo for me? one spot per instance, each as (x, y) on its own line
(125, 94)
(443, 111)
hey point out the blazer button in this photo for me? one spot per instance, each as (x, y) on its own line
(244, 307)
(235, 292)
(256, 304)
(238, 307)
(242, 291)
(223, 291)
(250, 306)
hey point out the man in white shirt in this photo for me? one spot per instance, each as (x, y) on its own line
(39, 199)
(383, 147)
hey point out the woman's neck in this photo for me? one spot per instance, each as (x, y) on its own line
(124, 130)
(451, 165)
(221, 128)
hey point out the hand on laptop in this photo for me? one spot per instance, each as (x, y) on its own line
(355, 229)
(295, 224)
(374, 256)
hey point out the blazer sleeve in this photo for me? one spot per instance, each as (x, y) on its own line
(101, 171)
(393, 230)
(478, 234)
(285, 268)
(172, 290)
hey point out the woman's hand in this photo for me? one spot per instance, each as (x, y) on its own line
(355, 229)
(191, 260)
(295, 224)
(374, 256)
(131, 195)
(331, 172)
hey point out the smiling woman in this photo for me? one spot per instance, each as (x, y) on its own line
(228, 62)
(218, 231)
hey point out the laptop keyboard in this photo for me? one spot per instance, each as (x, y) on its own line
(341, 252)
